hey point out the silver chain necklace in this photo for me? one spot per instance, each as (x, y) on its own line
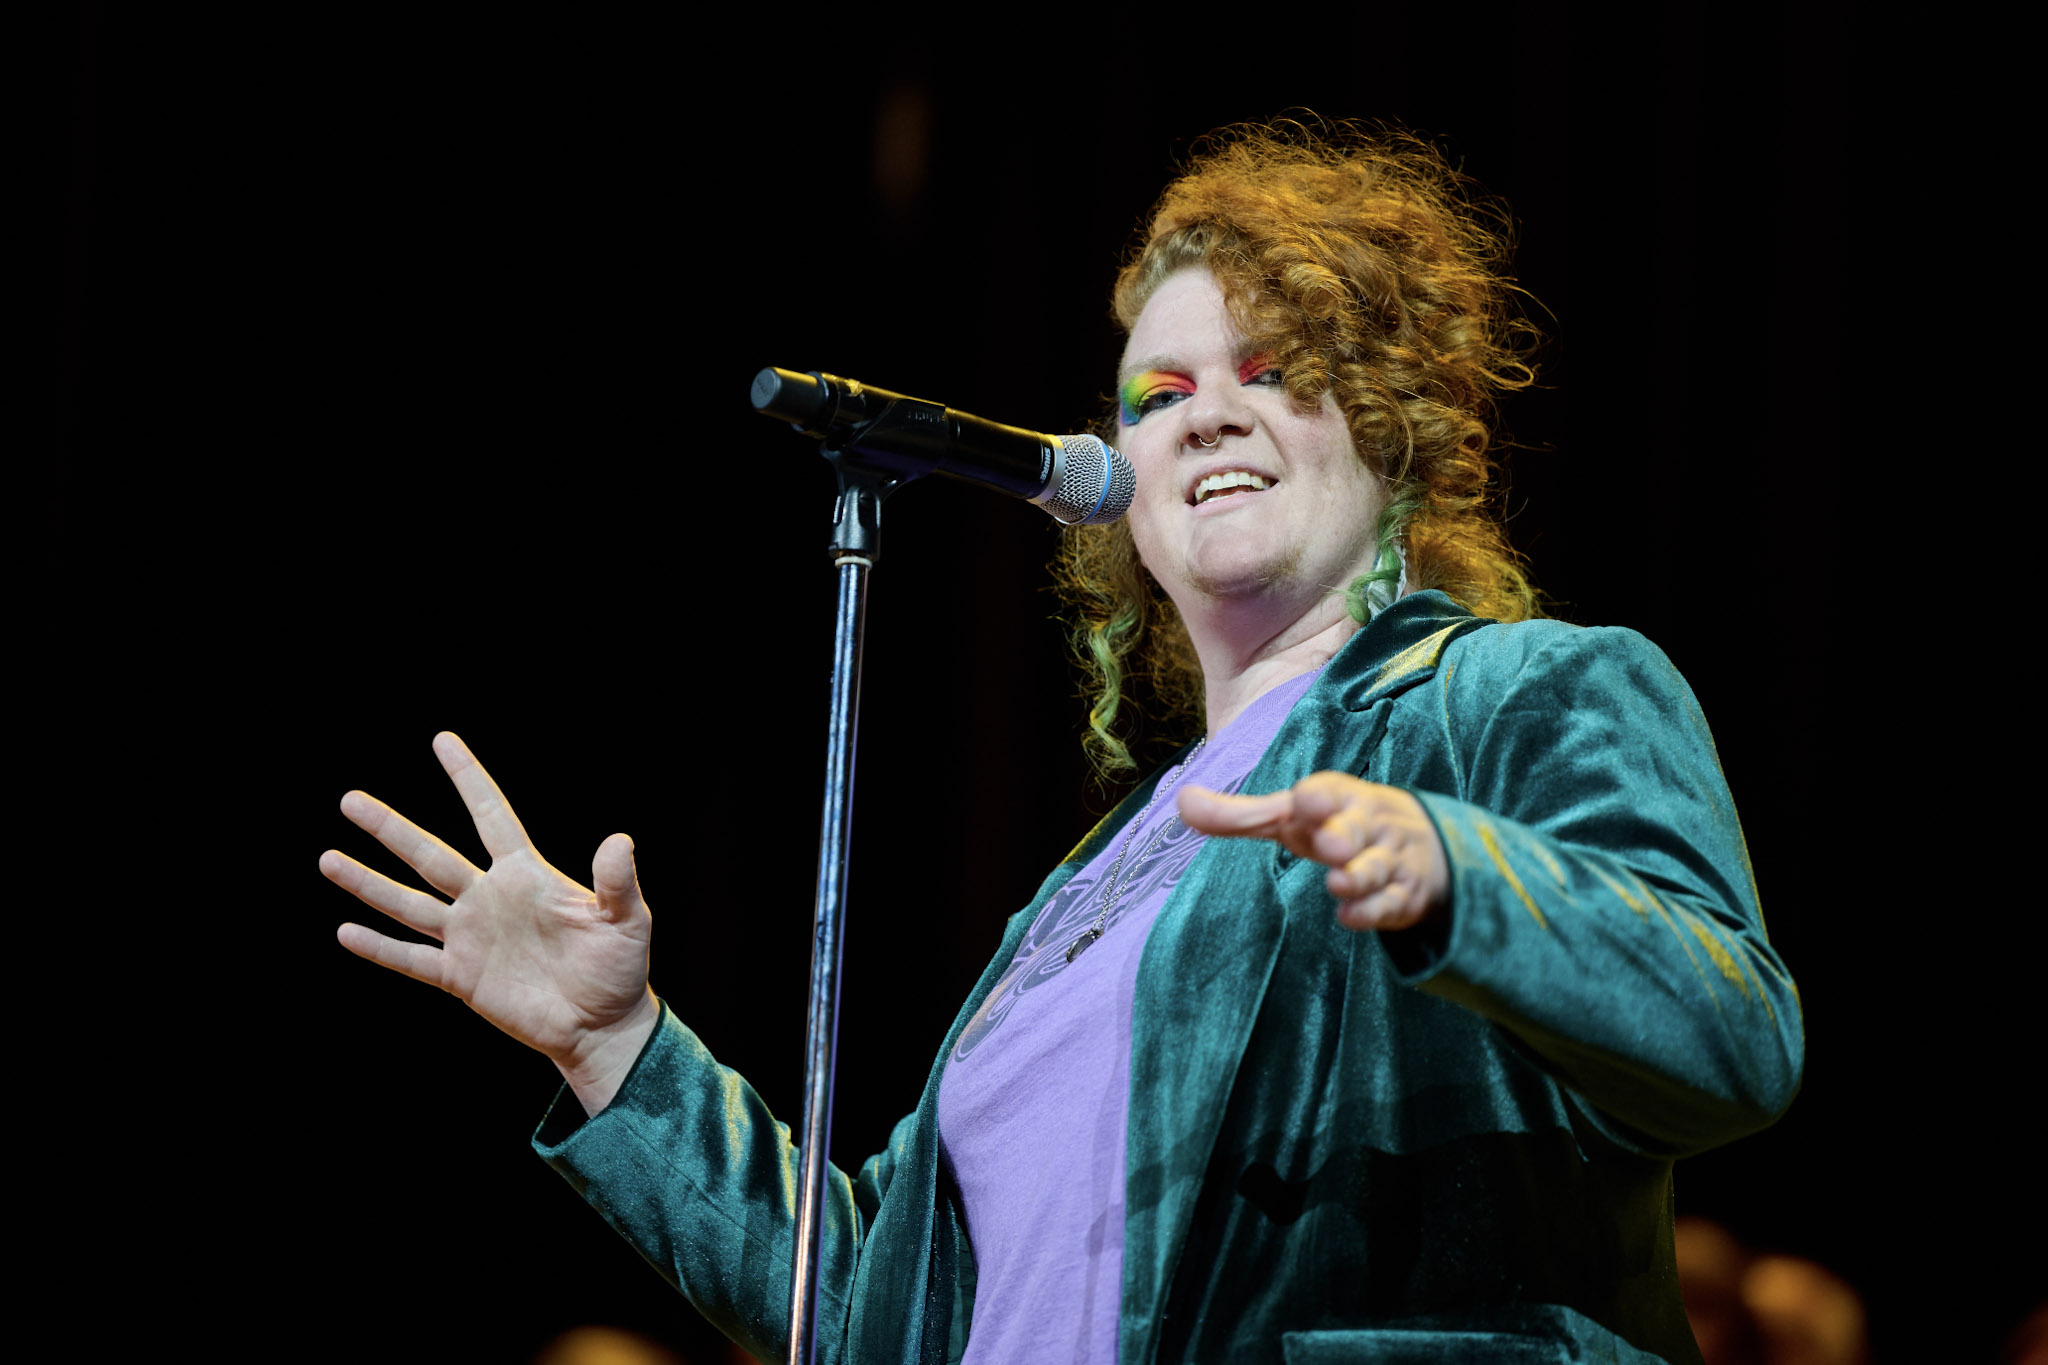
(1111, 893)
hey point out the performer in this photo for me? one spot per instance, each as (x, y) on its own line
(1388, 1060)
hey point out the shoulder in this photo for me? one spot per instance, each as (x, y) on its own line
(1508, 651)
(1431, 673)
(1549, 683)
(1427, 637)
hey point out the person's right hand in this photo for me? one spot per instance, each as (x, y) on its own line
(559, 968)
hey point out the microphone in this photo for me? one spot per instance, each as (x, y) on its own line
(1076, 478)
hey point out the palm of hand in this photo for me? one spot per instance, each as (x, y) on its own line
(531, 950)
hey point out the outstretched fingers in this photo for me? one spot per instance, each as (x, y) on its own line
(1321, 817)
(1236, 817)
(495, 823)
(416, 960)
(444, 869)
(414, 909)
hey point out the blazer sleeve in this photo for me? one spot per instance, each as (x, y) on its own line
(1602, 907)
(690, 1167)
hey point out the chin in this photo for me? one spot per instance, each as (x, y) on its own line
(1237, 582)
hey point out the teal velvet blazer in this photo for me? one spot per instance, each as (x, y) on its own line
(1437, 1145)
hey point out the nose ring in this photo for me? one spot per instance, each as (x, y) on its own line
(1212, 444)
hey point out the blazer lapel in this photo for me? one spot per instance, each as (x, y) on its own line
(1211, 954)
(1200, 985)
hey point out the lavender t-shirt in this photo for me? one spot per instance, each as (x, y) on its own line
(1034, 1105)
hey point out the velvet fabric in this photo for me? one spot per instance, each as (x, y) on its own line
(1446, 1144)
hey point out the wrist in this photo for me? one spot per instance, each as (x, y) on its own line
(604, 1057)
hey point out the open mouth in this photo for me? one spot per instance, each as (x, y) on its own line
(1226, 484)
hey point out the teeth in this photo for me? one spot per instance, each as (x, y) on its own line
(1236, 478)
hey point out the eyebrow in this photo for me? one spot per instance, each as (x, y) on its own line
(1145, 366)
(1243, 351)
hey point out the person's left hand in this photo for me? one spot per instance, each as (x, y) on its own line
(1387, 865)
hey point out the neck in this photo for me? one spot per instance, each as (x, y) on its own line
(1243, 657)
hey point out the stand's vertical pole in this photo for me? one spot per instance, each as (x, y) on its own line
(854, 548)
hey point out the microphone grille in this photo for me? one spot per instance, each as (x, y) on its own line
(1097, 483)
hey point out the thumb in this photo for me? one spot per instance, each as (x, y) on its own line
(617, 882)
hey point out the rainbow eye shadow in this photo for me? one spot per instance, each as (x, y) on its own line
(1134, 398)
(1253, 368)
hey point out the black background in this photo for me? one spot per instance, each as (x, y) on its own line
(402, 375)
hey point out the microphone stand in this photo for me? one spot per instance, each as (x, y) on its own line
(856, 534)
(865, 434)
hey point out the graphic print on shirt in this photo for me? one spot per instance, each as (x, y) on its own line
(1160, 859)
